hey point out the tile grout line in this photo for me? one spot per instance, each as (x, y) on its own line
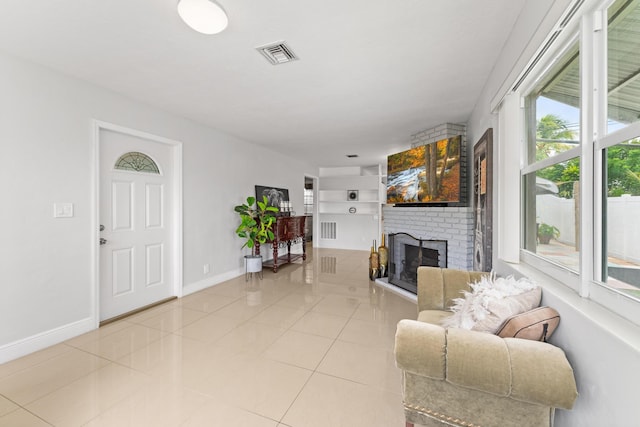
(315, 370)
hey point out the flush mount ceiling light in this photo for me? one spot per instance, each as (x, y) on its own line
(204, 16)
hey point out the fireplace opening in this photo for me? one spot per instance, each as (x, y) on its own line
(414, 257)
(407, 253)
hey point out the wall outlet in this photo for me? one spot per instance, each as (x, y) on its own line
(205, 269)
(63, 210)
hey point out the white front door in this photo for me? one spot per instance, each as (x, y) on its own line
(136, 238)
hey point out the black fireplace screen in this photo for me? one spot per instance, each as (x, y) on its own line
(407, 253)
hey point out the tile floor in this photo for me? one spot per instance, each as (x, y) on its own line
(309, 346)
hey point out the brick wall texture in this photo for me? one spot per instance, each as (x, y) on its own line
(455, 225)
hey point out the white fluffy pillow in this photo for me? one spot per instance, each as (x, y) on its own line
(493, 301)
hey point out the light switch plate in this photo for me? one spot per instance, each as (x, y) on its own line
(63, 210)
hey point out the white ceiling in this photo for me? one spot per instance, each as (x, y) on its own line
(370, 74)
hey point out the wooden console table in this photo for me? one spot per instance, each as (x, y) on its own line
(286, 230)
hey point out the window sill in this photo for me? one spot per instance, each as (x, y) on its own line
(623, 329)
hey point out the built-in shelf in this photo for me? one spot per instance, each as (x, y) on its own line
(361, 208)
(351, 188)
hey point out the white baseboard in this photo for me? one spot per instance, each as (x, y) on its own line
(46, 339)
(211, 281)
(55, 336)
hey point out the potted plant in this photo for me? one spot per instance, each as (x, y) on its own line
(256, 222)
(546, 232)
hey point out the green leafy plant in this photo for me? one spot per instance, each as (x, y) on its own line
(546, 232)
(256, 222)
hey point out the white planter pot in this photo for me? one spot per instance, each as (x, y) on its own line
(253, 263)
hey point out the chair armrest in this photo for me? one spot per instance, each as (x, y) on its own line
(541, 373)
(524, 370)
(420, 348)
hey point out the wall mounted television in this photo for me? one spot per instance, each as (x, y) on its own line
(429, 175)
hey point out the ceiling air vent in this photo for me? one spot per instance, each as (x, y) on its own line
(277, 53)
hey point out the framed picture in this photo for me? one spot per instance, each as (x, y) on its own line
(483, 202)
(274, 195)
(430, 174)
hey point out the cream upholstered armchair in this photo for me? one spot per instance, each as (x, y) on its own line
(458, 377)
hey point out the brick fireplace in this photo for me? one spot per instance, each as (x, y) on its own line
(455, 225)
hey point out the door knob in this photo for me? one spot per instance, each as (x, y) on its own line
(103, 241)
(101, 227)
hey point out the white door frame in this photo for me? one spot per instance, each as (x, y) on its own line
(316, 221)
(176, 250)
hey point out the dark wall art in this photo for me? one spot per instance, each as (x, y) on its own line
(275, 196)
(483, 202)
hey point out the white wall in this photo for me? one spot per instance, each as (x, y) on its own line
(602, 347)
(46, 148)
(535, 21)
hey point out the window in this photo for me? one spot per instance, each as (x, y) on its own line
(553, 232)
(552, 176)
(621, 209)
(623, 80)
(581, 164)
(138, 162)
(620, 152)
(308, 201)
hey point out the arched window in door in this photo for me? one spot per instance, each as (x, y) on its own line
(138, 162)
